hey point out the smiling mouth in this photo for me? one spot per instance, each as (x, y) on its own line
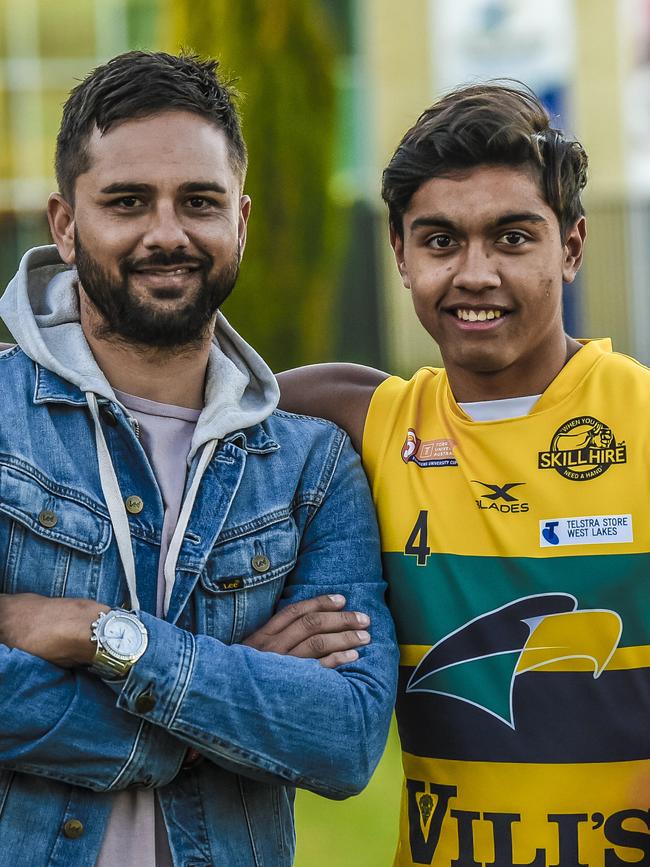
(167, 272)
(165, 283)
(467, 314)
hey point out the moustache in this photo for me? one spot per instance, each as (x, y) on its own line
(167, 260)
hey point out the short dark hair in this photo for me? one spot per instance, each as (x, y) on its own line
(487, 124)
(139, 84)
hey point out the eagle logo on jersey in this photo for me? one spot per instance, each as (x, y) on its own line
(581, 449)
(533, 632)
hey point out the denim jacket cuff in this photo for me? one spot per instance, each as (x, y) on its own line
(156, 684)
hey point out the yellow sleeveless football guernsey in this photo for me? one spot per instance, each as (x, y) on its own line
(517, 556)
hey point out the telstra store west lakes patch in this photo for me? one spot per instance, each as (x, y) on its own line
(585, 530)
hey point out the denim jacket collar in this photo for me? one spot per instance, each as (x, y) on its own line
(254, 440)
(51, 388)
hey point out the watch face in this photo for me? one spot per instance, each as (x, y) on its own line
(122, 636)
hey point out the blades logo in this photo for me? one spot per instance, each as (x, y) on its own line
(510, 503)
(500, 645)
(582, 448)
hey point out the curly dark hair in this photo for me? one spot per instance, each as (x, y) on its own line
(140, 84)
(487, 124)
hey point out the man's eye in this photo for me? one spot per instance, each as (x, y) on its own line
(128, 202)
(440, 242)
(199, 203)
(514, 239)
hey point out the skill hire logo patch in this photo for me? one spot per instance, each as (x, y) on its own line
(581, 449)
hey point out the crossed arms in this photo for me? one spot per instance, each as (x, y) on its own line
(261, 708)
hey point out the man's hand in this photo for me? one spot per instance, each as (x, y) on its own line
(314, 629)
(57, 630)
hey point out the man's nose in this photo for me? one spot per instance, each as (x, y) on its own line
(165, 230)
(477, 269)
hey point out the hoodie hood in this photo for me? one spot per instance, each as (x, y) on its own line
(41, 309)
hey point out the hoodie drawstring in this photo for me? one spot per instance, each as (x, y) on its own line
(181, 524)
(119, 518)
(114, 502)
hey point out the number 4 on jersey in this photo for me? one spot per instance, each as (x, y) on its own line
(416, 543)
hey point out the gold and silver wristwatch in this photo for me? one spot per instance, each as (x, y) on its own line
(121, 640)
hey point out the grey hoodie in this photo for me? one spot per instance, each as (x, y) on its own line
(41, 309)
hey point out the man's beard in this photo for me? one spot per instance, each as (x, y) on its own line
(137, 321)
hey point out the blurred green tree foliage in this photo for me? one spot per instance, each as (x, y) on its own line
(282, 54)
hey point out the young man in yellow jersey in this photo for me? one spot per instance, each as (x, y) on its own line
(512, 491)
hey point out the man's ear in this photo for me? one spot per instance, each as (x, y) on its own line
(397, 243)
(573, 249)
(244, 214)
(61, 219)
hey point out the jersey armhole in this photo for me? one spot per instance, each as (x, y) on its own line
(377, 425)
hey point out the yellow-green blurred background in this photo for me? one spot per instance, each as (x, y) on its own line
(328, 87)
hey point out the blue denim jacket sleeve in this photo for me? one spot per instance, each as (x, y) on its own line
(264, 714)
(64, 725)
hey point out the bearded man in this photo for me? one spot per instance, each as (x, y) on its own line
(155, 509)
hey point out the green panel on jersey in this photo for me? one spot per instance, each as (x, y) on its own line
(428, 602)
(474, 681)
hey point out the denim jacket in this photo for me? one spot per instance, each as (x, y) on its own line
(290, 489)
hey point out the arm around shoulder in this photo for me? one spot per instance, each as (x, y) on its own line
(338, 392)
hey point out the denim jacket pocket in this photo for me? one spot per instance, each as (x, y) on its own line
(52, 537)
(244, 577)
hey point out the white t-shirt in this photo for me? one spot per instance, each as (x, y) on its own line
(498, 410)
(136, 835)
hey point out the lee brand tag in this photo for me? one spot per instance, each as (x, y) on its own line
(230, 584)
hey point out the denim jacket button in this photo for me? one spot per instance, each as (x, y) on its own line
(134, 505)
(261, 563)
(145, 702)
(109, 417)
(47, 518)
(73, 829)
